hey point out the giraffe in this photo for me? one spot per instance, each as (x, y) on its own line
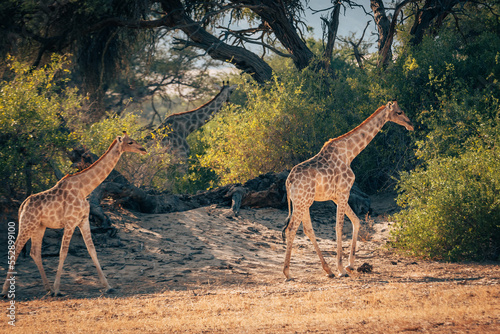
(328, 176)
(65, 206)
(177, 127)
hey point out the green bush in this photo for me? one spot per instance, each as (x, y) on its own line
(451, 208)
(451, 203)
(40, 123)
(288, 121)
(36, 112)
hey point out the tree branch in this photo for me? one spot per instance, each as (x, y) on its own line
(239, 57)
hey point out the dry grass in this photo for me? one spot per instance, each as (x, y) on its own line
(224, 276)
(293, 307)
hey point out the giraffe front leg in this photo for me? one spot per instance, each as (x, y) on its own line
(341, 207)
(87, 237)
(68, 233)
(355, 230)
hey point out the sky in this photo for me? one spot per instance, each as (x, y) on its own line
(351, 21)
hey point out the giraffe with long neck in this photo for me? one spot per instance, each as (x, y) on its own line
(328, 176)
(177, 127)
(65, 206)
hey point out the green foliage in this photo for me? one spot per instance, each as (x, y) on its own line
(287, 121)
(35, 110)
(39, 125)
(278, 126)
(451, 208)
(156, 170)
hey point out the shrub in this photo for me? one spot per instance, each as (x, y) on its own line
(288, 121)
(36, 111)
(451, 208)
(39, 124)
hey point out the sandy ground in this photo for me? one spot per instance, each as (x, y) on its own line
(209, 247)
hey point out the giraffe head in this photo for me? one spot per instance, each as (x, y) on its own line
(396, 115)
(227, 90)
(127, 144)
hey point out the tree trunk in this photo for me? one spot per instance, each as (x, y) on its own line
(332, 27)
(383, 26)
(274, 13)
(423, 19)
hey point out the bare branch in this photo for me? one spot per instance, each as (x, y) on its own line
(357, 54)
(254, 41)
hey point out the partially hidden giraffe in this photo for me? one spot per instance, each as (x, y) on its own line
(328, 176)
(176, 127)
(65, 206)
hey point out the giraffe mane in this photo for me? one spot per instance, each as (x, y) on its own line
(95, 162)
(195, 109)
(356, 128)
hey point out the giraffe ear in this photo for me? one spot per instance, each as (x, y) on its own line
(119, 138)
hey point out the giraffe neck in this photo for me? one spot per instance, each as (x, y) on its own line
(90, 178)
(355, 141)
(187, 122)
(198, 117)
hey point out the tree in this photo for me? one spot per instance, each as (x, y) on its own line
(103, 34)
(433, 13)
(36, 109)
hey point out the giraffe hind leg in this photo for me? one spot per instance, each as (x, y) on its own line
(290, 231)
(308, 230)
(21, 240)
(68, 233)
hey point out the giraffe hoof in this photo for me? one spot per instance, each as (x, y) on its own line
(289, 279)
(58, 294)
(343, 275)
(330, 275)
(110, 290)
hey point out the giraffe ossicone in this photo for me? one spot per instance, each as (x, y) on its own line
(328, 176)
(65, 206)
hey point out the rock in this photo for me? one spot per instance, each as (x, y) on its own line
(365, 268)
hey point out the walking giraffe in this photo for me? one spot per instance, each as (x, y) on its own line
(328, 176)
(177, 127)
(65, 206)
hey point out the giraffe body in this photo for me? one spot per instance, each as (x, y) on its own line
(65, 206)
(177, 127)
(328, 176)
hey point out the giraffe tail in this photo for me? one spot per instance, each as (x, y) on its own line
(287, 221)
(24, 250)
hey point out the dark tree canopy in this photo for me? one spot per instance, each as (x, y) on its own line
(103, 35)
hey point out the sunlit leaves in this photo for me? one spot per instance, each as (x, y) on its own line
(451, 208)
(36, 108)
